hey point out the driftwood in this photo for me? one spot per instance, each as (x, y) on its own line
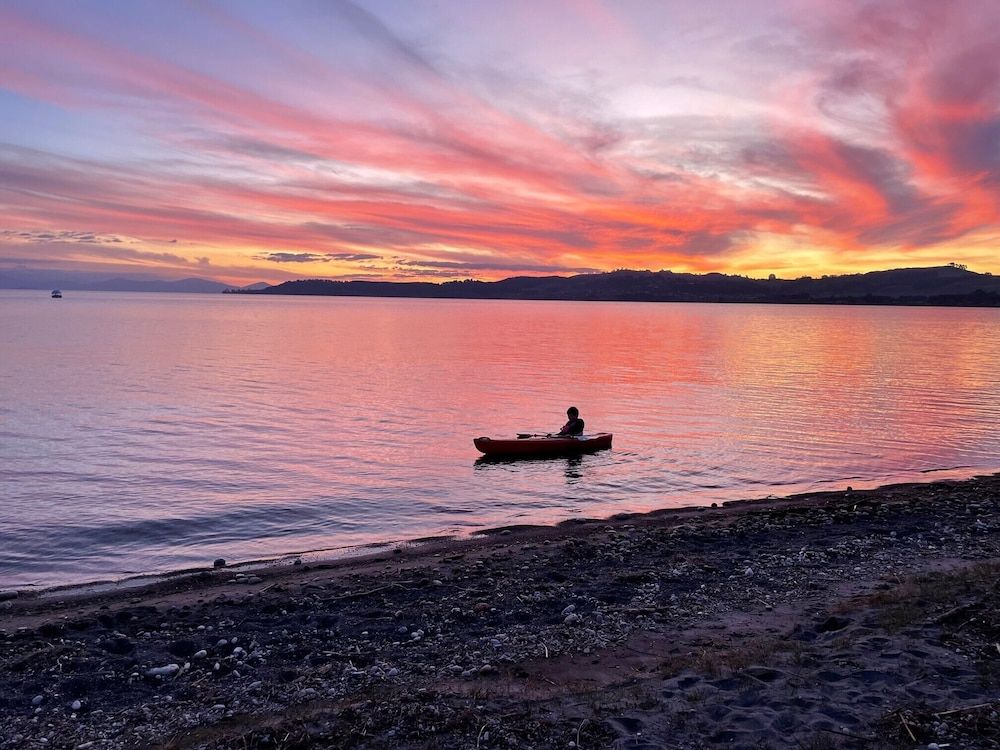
(907, 727)
(988, 704)
(956, 613)
(360, 594)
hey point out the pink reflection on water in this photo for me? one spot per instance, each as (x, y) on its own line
(175, 429)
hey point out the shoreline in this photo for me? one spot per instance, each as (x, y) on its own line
(798, 490)
(833, 616)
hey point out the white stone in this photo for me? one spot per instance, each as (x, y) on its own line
(164, 671)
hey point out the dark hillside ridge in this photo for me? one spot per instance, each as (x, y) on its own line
(943, 285)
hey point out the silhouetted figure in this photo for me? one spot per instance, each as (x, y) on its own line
(575, 425)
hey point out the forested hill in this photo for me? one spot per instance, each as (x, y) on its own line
(943, 285)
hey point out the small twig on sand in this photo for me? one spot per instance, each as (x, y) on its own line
(578, 733)
(480, 736)
(907, 727)
(547, 649)
(964, 624)
(359, 594)
(967, 708)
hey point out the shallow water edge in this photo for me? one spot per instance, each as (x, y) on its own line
(375, 550)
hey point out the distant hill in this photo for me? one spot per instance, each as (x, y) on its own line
(89, 281)
(943, 285)
(202, 286)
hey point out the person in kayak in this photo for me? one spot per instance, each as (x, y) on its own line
(574, 426)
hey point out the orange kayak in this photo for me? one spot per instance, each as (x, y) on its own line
(536, 446)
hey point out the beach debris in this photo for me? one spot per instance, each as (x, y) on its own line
(219, 563)
(965, 709)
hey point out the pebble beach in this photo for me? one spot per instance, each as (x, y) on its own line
(856, 619)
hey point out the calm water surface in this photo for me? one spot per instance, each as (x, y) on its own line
(144, 432)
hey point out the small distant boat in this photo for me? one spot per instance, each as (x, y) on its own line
(536, 446)
(56, 294)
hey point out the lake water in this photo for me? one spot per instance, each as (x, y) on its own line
(147, 432)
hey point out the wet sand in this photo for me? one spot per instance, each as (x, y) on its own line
(844, 619)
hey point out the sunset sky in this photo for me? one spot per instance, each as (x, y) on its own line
(406, 140)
